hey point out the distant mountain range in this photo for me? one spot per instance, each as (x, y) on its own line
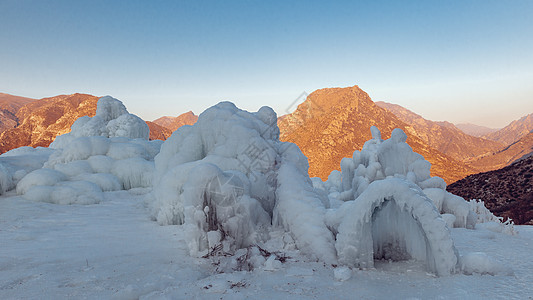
(513, 132)
(516, 151)
(475, 130)
(443, 136)
(328, 126)
(174, 123)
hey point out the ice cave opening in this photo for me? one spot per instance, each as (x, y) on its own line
(396, 235)
(394, 220)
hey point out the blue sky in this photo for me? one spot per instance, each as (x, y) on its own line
(460, 61)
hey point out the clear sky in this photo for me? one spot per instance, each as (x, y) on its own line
(460, 61)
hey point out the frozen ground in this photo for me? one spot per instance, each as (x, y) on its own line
(113, 250)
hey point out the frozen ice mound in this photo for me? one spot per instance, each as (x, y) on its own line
(393, 219)
(481, 263)
(394, 158)
(18, 162)
(384, 204)
(230, 182)
(107, 152)
(229, 179)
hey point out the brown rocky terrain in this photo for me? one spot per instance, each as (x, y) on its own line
(158, 132)
(9, 106)
(507, 192)
(513, 132)
(443, 136)
(517, 150)
(42, 120)
(475, 130)
(333, 122)
(174, 123)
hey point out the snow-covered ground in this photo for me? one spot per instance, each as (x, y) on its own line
(113, 250)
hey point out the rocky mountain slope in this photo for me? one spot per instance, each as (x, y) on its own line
(42, 120)
(158, 132)
(517, 150)
(507, 192)
(475, 130)
(9, 106)
(514, 131)
(174, 123)
(333, 122)
(443, 136)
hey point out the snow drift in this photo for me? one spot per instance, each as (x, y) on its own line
(107, 152)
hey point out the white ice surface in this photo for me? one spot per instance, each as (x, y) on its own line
(114, 251)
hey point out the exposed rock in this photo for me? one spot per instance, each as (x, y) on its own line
(514, 131)
(333, 122)
(42, 120)
(443, 136)
(173, 123)
(158, 132)
(516, 151)
(9, 106)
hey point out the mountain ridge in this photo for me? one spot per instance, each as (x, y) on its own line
(9, 106)
(514, 131)
(173, 123)
(443, 136)
(475, 130)
(334, 122)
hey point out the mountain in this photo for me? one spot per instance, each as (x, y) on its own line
(174, 123)
(42, 120)
(475, 130)
(516, 151)
(507, 192)
(514, 131)
(158, 132)
(9, 106)
(443, 136)
(34, 123)
(333, 122)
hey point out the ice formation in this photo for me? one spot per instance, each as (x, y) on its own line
(229, 179)
(481, 263)
(107, 152)
(392, 219)
(18, 162)
(386, 205)
(232, 185)
(381, 159)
